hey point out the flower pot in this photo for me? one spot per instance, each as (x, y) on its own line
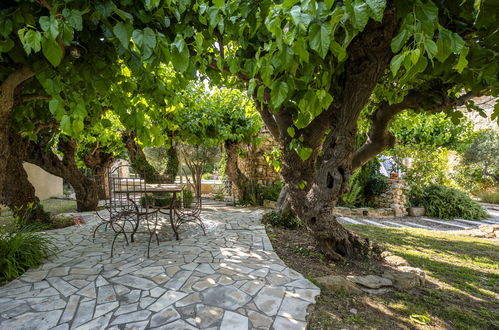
(394, 176)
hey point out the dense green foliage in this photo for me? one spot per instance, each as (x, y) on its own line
(277, 219)
(364, 184)
(484, 153)
(447, 203)
(271, 192)
(21, 248)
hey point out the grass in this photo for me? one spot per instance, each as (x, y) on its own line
(463, 276)
(53, 206)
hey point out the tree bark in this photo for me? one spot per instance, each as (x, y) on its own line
(236, 176)
(99, 162)
(8, 89)
(173, 164)
(138, 160)
(18, 193)
(86, 189)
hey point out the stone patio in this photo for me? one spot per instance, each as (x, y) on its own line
(229, 279)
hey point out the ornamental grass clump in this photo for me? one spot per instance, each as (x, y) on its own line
(447, 203)
(21, 248)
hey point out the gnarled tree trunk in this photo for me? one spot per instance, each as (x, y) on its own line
(99, 162)
(18, 193)
(86, 189)
(138, 159)
(8, 90)
(316, 184)
(236, 176)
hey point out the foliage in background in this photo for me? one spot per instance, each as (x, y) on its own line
(447, 203)
(270, 192)
(489, 197)
(364, 184)
(484, 154)
(277, 219)
(21, 248)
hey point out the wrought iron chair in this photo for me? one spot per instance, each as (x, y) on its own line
(192, 212)
(128, 208)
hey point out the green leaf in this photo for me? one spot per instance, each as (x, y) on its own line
(52, 51)
(6, 27)
(6, 45)
(180, 60)
(325, 98)
(50, 25)
(151, 4)
(377, 8)
(300, 49)
(144, 38)
(73, 17)
(415, 55)
(123, 32)
(320, 38)
(361, 15)
(430, 11)
(31, 40)
(399, 40)
(66, 124)
(219, 4)
(396, 62)
(289, 3)
(431, 48)
(304, 152)
(462, 61)
(56, 108)
(279, 93)
(339, 51)
(291, 131)
(77, 126)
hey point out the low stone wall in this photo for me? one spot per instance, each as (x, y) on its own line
(390, 204)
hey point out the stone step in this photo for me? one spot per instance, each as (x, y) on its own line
(394, 224)
(350, 220)
(412, 224)
(374, 223)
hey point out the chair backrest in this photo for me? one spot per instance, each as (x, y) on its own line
(124, 189)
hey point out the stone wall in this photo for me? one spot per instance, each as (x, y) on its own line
(391, 203)
(395, 197)
(253, 164)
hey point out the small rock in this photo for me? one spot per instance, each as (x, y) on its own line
(416, 211)
(377, 291)
(353, 311)
(336, 283)
(370, 281)
(488, 229)
(395, 261)
(405, 277)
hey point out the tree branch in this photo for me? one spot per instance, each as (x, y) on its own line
(32, 97)
(379, 138)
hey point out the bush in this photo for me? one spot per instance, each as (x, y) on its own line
(270, 192)
(21, 248)
(165, 199)
(375, 186)
(276, 219)
(447, 203)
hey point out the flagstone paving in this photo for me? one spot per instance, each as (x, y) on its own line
(229, 279)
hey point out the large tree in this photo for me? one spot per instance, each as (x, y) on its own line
(313, 66)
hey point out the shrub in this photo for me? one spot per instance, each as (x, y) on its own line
(447, 203)
(270, 192)
(277, 219)
(375, 186)
(188, 198)
(21, 248)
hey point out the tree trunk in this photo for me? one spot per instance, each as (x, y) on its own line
(173, 164)
(284, 201)
(138, 160)
(8, 89)
(86, 189)
(19, 193)
(99, 162)
(236, 176)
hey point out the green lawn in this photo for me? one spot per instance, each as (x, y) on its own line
(53, 206)
(462, 273)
